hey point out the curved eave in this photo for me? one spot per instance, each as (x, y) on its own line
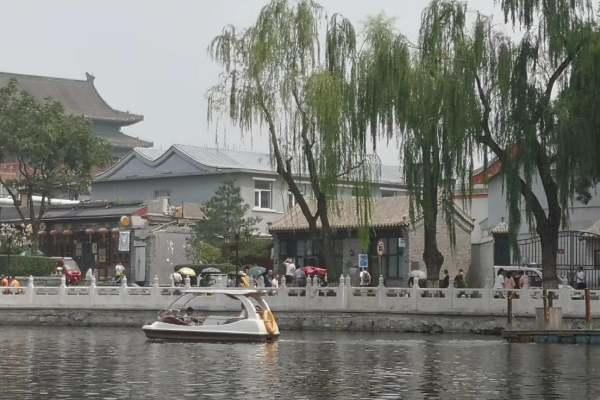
(122, 117)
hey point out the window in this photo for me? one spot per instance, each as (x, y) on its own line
(262, 194)
(161, 193)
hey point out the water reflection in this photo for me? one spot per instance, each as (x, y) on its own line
(75, 363)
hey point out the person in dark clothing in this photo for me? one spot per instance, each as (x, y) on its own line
(445, 281)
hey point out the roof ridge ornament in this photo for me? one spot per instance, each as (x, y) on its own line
(89, 77)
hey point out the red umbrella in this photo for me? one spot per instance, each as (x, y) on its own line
(315, 271)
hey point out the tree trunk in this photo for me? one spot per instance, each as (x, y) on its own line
(549, 240)
(431, 255)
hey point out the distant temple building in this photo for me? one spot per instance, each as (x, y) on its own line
(80, 97)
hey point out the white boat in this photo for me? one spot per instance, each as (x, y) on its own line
(181, 321)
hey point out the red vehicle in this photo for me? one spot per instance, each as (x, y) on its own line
(69, 267)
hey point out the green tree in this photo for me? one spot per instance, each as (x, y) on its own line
(532, 116)
(225, 225)
(419, 92)
(55, 153)
(276, 74)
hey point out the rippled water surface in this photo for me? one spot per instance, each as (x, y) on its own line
(99, 363)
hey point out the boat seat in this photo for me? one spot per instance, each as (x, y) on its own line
(169, 319)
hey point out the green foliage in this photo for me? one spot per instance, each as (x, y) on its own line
(256, 251)
(225, 225)
(208, 254)
(275, 75)
(25, 265)
(55, 152)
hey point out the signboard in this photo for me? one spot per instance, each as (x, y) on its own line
(380, 247)
(124, 237)
(363, 261)
(401, 243)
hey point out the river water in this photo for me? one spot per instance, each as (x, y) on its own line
(107, 363)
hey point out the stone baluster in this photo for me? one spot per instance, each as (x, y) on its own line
(155, 281)
(93, 281)
(30, 282)
(341, 284)
(381, 281)
(63, 281)
(172, 280)
(348, 281)
(282, 283)
(124, 282)
(187, 282)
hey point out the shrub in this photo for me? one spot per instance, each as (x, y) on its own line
(26, 265)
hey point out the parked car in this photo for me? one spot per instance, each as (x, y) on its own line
(68, 267)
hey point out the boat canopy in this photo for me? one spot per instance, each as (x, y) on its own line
(230, 292)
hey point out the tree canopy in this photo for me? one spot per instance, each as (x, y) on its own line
(225, 225)
(294, 72)
(55, 153)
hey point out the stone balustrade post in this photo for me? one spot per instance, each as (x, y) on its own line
(155, 292)
(282, 283)
(172, 280)
(93, 282)
(381, 293)
(63, 281)
(124, 282)
(187, 281)
(30, 289)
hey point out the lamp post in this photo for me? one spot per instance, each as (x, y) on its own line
(236, 238)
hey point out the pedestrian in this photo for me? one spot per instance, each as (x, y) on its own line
(300, 277)
(177, 278)
(244, 280)
(275, 281)
(509, 281)
(365, 278)
(445, 281)
(580, 279)
(524, 280)
(290, 269)
(268, 278)
(119, 273)
(459, 280)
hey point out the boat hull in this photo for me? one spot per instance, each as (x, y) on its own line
(162, 331)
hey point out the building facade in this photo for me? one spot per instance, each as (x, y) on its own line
(185, 173)
(402, 241)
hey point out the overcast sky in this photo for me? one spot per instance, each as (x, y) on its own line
(149, 57)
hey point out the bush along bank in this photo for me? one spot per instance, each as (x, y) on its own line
(14, 265)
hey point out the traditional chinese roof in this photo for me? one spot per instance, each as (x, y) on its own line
(78, 97)
(386, 213)
(594, 229)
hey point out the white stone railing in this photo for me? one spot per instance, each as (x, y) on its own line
(451, 301)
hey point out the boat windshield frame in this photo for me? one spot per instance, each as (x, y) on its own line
(245, 297)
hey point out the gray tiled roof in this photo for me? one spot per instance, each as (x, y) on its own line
(243, 160)
(388, 212)
(78, 97)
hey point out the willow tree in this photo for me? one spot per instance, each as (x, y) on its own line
(530, 121)
(277, 74)
(421, 93)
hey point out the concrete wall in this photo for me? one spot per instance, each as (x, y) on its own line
(454, 257)
(482, 262)
(581, 216)
(315, 321)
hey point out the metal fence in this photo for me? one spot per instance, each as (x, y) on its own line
(575, 249)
